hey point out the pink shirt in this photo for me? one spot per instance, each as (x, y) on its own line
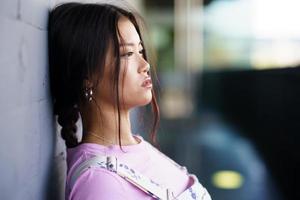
(101, 184)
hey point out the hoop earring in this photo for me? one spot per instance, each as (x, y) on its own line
(88, 93)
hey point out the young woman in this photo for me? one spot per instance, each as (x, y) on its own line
(99, 71)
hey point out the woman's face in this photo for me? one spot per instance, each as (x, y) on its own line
(134, 81)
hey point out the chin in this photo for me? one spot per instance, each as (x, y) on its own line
(142, 102)
(139, 100)
(147, 102)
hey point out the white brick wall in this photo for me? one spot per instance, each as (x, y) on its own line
(32, 157)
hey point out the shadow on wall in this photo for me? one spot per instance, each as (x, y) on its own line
(57, 173)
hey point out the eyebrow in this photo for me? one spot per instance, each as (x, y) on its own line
(130, 44)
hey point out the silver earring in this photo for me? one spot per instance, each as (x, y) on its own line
(88, 93)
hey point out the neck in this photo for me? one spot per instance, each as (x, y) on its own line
(105, 125)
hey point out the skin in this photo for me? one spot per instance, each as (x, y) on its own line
(134, 69)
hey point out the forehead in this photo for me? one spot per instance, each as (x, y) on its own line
(128, 32)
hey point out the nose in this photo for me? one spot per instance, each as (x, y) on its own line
(145, 67)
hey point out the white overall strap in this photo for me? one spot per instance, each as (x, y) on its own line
(111, 163)
(196, 191)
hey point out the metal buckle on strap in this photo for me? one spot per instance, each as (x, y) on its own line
(111, 163)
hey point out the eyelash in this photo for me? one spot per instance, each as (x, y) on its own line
(128, 54)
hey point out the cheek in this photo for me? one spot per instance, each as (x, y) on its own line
(104, 91)
(128, 78)
(123, 71)
(127, 85)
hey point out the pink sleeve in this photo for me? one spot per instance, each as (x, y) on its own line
(98, 184)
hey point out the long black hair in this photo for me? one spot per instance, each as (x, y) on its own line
(79, 36)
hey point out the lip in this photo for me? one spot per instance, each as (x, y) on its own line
(147, 83)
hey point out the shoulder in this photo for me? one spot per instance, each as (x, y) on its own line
(96, 184)
(160, 157)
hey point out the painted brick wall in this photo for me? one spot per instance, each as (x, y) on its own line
(32, 157)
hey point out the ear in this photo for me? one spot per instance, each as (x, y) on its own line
(88, 83)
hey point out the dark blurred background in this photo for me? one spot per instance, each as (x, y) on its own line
(229, 73)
